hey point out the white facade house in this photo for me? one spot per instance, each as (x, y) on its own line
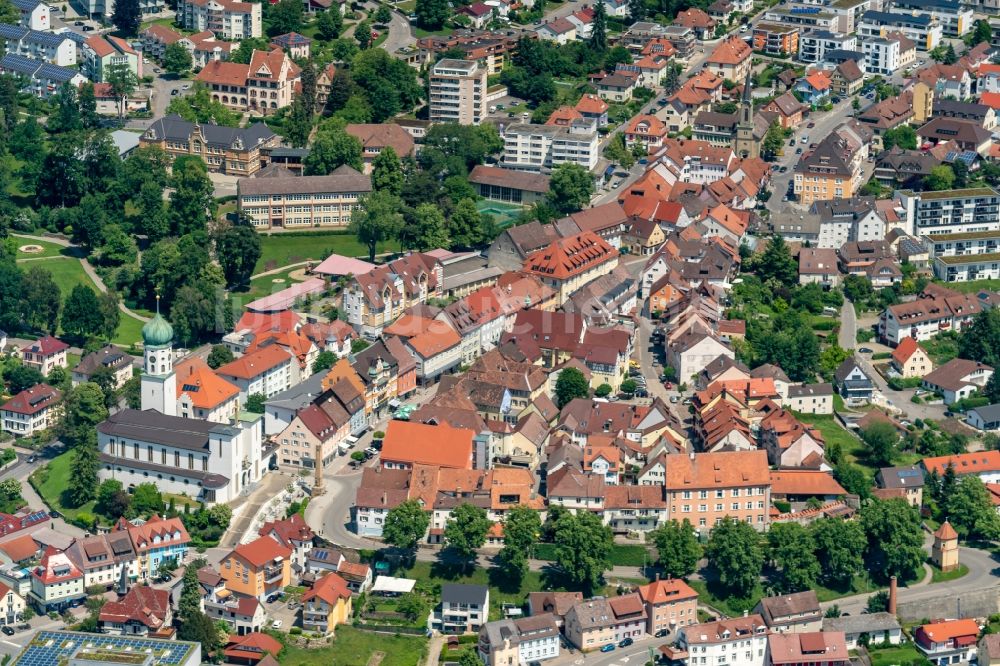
(31, 411)
(529, 147)
(740, 641)
(922, 29)
(985, 418)
(951, 211)
(967, 268)
(52, 48)
(958, 379)
(520, 641)
(210, 462)
(882, 56)
(35, 15)
(228, 19)
(268, 371)
(691, 353)
(814, 44)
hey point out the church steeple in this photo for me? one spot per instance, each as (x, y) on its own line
(746, 144)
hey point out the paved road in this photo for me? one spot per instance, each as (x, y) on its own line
(848, 334)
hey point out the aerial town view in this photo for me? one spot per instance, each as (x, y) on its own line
(500, 332)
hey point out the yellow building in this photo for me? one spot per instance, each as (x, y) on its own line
(944, 552)
(832, 170)
(910, 360)
(326, 605)
(258, 568)
(572, 262)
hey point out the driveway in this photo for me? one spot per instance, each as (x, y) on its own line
(848, 335)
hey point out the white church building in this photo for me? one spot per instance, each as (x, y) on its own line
(207, 461)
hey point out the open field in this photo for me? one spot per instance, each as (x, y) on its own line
(56, 483)
(279, 250)
(353, 647)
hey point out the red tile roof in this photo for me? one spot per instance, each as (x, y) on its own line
(199, 382)
(261, 551)
(33, 400)
(155, 533)
(330, 588)
(142, 604)
(964, 463)
(732, 51)
(255, 364)
(665, 591)
(570, 256)
(804, 482)
(419, 443)
(46, 346)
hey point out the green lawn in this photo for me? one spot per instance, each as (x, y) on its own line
(941, 348)
(279, 250)
(353, 647)
(625, 555)
(938, 576)
(55, 484)
(129, 331)
(974, 286)
(67, 272)
(711, 594)
(896, 656)
(265, 286)
(832, 431)
(858, 585)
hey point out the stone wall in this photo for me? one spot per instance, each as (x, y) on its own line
(977, 603)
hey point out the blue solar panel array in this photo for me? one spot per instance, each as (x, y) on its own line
(19, 64)
(54, 647)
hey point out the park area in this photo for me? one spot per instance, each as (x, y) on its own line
(354, 647)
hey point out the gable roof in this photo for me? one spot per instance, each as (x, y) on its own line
(261, 551)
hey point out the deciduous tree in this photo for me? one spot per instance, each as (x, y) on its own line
(331, 149)
(521, 529)
(678, 547)
(895, 539)
(405, 525)
(570, 188)
(840, 545)
(177, 59)
(793, 552)
(465, 532)
(376, 221)
(882, 440)
(583, 549)
(734, 551)
(571, 384)
(127, 17)
(237, 248)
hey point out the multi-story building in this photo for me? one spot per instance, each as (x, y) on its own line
(143, 611)
(794, 613)
(776, 39)
(882, 56)
(34, 14)
(56, 582)
(102, 10)
(731, 59)
(967, 268)
(570, 263)
(45, 354)
(375, 299)
(110, 359)
(31, 411)
(832, 170)
(202, 394)
(740, 641)
(268, 370)
(257, 569)
(155, 541)
(936, 309)
(520, 641)
(530, 147)
(955, 18)
(230, 19)
(813, 648)
(464, 608)
(923, 29)
(951, 211)
(103, 559)
(948, 641)
(12, 605)
(670, 604)
(102, 54)
(231, 150)
(326, 605)
(302, 201)
(597, 622)
(704, 488)
(457, 92)
(847, 220)
(52, 48)
(39, 78)
(261, 87)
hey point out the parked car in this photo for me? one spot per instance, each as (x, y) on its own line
(811, 125)
(276, 624)
(674, 398)
(88, 28)
(783, 169)
(625, 642)
(798, 151)
(610, 647)
(175, 92)
(7, 630)
(272, 598)
(32, 458)
(660, 634)
(865, 350)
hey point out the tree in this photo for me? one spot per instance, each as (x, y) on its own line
(603, 391)
(285, 17)
(583, 548)
(940, 178)
(177, 59)
(122, 82)
(469, 657)
(81, 316)
(734, 552)
(629, 386)
(324, 361)
(331, 149)
(387, 172)
(255, 403)
(107, 498)
(377, 220)
(852, 478)
(83, 407)
(200, 107)
(363, 33)
(82, 484)
(152, 219)
(950, 57)
(342, 88)
(895, 539)
(146, 499)
(981, 340)
(678, 548)
(42, 299)
(192, 203)
(982, 33)
(882, 440)
(118, 247)
(405, 525)
(599, 29)
(521, 528)
(777, 263)
(878, 602)
(431, 14)
(429, 228)
(21, 377)
(298, 123)
(571, 384)
(383, 15)
(570, 188)
(127, 17)
(465, 226)
(219, 356)
(330, 23)
(237, 248)
(774, 141)
(200, 628)
(466, 530)
(969, 510)
(903, 136)
(636, 10)
(190, 601)
(792, 550)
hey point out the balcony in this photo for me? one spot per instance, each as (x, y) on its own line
(273, 574)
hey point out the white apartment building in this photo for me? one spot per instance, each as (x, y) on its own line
(956, 245)
(847, 220)
(529, 147)
(210, 462)
(955, 19)
(923, 29)
(740, 641)
(520, 641)
(458, 92)
(34, 14)
(814, 44)
(881, 55)
(967, 268)
(302, 201)
(228, 19)
(103, 9)
(49, 47)
(267, 371)
(32, 410)
(951, 211)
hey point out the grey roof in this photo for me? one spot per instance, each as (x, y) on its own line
(901, 477)
(343, 179)
(19, 33)
(125, 141)
(988, 413)
(845, 369)
(843, 209)
(806, 390)
(896, 19)
(300, 395)
(853, 624)
(175, 128)
(152, 426)
(457, 593)
(790, 608)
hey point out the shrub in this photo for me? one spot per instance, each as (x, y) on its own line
(783, 506)
(916, 400)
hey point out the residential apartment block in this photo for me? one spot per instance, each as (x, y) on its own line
(232, 150)
(954, 17)
(31, 411)
(457, 92)
(230, 19)
(519, 641)
(923, 29)
(302, 201)
(936, 309)
(49, 47)
(257, 569)
(38, 77)
(704, 488)
(740, 641)
(951, 211)
(102, 54)
(262, 87)
(833, 169)
(529, 147)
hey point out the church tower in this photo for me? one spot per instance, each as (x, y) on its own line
(158, 384)
(746, 145)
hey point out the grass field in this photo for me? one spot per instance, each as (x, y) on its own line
(353, 647)
(938, 576)
(48, 249)
(265, 286)
(974, 286)
(832, 431)
(279, 250)
(55, 485)
(625, 555)
(129, 331)
(899, 655)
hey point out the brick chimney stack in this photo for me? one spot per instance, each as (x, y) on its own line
(892, 595)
